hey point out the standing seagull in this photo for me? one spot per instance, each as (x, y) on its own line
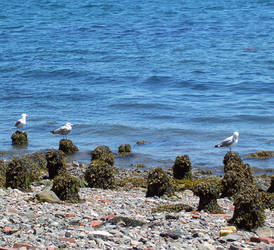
(64, 130)
(229, 142)
(21, 122)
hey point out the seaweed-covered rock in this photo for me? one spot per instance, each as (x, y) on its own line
(18, 175)
(103, 153)
(268, 200)
(261, 155)
(208, 193)
(159, 183)
(172, 208)
(19, 138)
(126, 221)
(182, 167)
(67, 146)
(55, 163)
(231, 158)
(37, 161)
(100, 174)
(249, 209)
(236, 177)
(124, 149)
(271, 188)
(3, 169)
(67, 188)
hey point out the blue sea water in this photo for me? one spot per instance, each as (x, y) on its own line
(182, 75)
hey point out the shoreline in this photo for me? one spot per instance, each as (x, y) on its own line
(122, 218)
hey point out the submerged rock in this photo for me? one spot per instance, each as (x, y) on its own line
(159, 183)
(182, 167)
(103, 153)
(55, 163)
(67, 146)
(19, 138)
(261, 155)
(100, 174)
(124, 149)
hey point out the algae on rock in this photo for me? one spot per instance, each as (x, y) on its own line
(124, 149)
(159, 183)
(67, 188)
(19, 138)
(209, 192)
(18, 175)
(249, 209)
(67, 146)
(55, 163)
(103, 153)
(172, 208)
(100, 174)
(182, 167)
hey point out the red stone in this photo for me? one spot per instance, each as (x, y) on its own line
(196, 216)
(255, 239)
(9, 230)
(18, 245)
(95, 223)
(108, 217)
(68, 240)
(267, 240)
(12, 210)
(104, 201)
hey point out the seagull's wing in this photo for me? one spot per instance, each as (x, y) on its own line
(62, 130)
(226, 142)
(17, 123)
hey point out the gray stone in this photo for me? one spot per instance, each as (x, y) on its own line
(264, 231)
(47, 196)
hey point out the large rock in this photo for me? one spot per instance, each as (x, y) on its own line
(159, 183)
(19, 138)
(182, 168)
(103, 153)
(67, 146)
(55, 163)
(100, 174)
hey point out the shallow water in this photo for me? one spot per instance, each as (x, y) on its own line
(180, 75)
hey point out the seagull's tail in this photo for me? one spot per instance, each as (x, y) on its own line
(217, 146)
(53, 131)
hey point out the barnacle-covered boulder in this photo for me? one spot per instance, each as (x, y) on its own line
(271, 188)
(18, 175)
(103, 153)
(100, 174)
(261, 155)
(55, 162)
(182, 168)
(159, 183)
(249, 209)
(67, 146)
(124, 149)
(67, 188)
(19, 138)
(209, 192)
(231, 159)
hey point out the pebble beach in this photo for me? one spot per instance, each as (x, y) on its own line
(120, 219)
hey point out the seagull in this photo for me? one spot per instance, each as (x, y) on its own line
(21, 122)
(229, 142)
(64, 130)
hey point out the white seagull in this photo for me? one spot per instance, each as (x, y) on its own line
(64, 130)
(21, 122)
(229, 142)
